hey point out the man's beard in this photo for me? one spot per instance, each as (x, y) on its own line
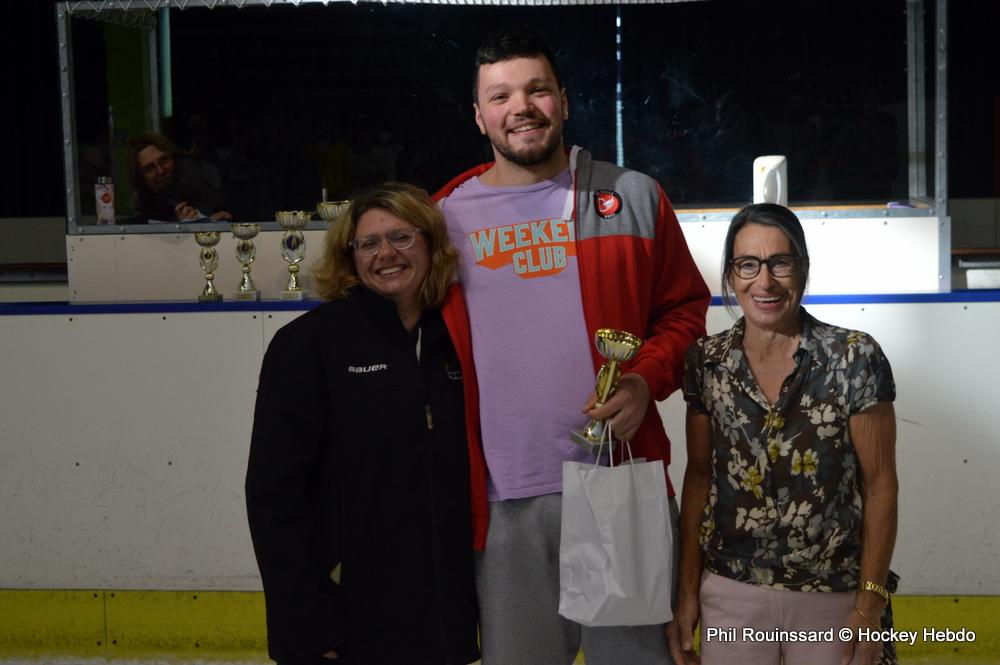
(531, 156)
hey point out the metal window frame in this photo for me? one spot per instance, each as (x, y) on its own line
(68, 101)
(916, 102)
(941, 143)
(106, 5)
(111, 12)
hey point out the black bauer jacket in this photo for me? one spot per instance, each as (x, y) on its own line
(358, 457)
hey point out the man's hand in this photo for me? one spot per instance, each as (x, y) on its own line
(221, 215)
(331, 654)
(185, 212)
(626, 407)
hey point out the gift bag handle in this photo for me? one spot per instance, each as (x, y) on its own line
(611, 454)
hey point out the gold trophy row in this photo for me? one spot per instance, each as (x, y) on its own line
(293, 250)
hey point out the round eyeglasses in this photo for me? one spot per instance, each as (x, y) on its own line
(780, 265)
(369, 245)
(162, 163)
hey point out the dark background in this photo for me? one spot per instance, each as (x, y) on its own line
(347, 95)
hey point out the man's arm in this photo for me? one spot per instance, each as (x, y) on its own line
(679, 301)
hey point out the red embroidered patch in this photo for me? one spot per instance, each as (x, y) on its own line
(607, 203)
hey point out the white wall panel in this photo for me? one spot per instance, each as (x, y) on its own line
(164, 266)
(864, 255)
(124, 444)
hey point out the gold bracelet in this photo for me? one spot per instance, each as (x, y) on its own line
(865, 617)
(874, 587)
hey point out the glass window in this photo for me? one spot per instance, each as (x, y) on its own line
(709, 86)
(271, 107)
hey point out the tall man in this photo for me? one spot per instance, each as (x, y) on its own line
(554, 246)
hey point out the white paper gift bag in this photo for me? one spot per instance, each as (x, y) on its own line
(616, 547)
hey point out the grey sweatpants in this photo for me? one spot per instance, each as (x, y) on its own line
(517, 578)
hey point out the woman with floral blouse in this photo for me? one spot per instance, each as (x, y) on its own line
(788, 513)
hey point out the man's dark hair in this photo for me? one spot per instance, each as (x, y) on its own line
(507, 44)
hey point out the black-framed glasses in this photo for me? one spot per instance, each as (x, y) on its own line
(780, 265)
(400, 239)
(164, 161)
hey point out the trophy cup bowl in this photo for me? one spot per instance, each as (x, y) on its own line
(617, 346)
(293, 249)
(331, 210)
(293, 220)
(208, 258)
(245, 254)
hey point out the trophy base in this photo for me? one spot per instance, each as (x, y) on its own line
(211, 297)
(246, 295)
(588, 444)
(301, 294)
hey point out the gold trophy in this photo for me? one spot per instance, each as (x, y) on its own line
(208, 257)
(617, 346)
(331, 210)
(245, 254)
(293, 249)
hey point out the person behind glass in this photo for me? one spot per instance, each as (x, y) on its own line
(788, 512)
(358, 453)
(166, 183)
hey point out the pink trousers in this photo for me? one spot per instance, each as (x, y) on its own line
(753, 625)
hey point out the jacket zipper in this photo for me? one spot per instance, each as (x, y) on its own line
(430, 418)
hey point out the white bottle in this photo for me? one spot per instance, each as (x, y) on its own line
(104, 195)
(770, 179)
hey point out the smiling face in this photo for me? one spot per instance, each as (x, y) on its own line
(769, 303)
(156, 168)
(396, 274)
(521, 110)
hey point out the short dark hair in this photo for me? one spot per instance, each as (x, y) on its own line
(507, 44)
(768, 214)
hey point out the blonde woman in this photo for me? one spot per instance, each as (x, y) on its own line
(358, 456)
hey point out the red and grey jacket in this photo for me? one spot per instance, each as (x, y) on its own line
(636, 274)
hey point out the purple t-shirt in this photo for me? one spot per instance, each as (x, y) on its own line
(529, 339)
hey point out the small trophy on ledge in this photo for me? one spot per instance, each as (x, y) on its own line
(331, 210)
(617, 346)
(245, 254)
(293, 249)
(208, 257)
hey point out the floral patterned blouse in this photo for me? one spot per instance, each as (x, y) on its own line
(784, 508)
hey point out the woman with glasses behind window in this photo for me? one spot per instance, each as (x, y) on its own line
(170, 186)
(788, 513)
(358, 455)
